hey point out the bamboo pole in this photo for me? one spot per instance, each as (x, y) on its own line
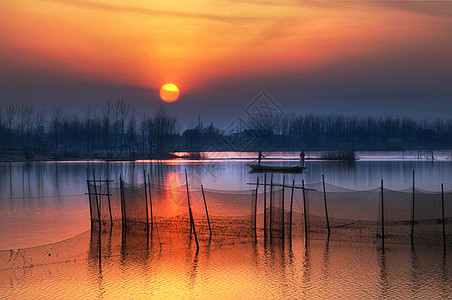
(382, 218)
(412, 209)
(255, 207)
(282, 205)
(192, 223)
(291, 211)
(271, 204)
(150, 201)
(207, 212)
(123, 204)
(109, 201)
(97, 201)
(265, 204)
(146, 200)
(326, 206)
(305, 213)
(89, 198)
(442, 210)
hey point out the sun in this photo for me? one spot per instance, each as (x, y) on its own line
(169, 92)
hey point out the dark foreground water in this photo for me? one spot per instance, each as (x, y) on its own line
(129, 266)
(44, 203)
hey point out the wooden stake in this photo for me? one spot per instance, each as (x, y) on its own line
(382, 218)
(255, 207)
(109, 201)
(326, 207)
(89, 198)
(282, 204)
(207, 213)
(291, 206)
(146, 200)
(305, 213)
(97, 201)
(442, 209)
(150, 201)
(265, 204)
(412, 210)
(192, 222)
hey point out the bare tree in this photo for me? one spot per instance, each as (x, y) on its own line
(106, 125)
(162, 125)
(121, 111)
(25, 124)
(55, 123)
(11, 112)
(132, 133)
(143, 132)
(88, 126)
(39, 129)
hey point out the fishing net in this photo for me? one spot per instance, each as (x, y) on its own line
(277, 211)
(105, 203)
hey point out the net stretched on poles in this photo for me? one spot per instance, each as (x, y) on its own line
(105, 203)
(351, 213)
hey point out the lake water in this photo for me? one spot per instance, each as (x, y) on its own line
(45, 202)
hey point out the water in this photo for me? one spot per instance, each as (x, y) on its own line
(322, 270)
(45, 202)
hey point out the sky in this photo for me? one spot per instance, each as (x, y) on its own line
(351, 57)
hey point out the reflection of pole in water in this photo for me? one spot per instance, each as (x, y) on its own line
(193, 272)
(325, 268)
(413, 270)
(384, 284)
(445, 275)
(95, 258)
(10, 182)
(306, 270)
(255, 207)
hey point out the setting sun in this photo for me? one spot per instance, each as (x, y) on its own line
(169, 92)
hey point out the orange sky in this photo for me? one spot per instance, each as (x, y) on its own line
(198, 43)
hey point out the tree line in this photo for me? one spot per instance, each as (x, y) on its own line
(115, 130)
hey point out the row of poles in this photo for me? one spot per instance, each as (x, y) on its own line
(98, 196)
(413, 205)
(95, 196)
(284, 186)
(192, 221)
(304, 189)
(150, 218)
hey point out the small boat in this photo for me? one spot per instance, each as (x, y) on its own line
(282, 169)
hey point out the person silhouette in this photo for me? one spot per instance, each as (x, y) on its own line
(302, 157)
(260, 157)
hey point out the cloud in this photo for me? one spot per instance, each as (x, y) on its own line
(84, 4)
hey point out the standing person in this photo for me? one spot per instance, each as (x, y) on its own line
(302, 157)
(260, 157)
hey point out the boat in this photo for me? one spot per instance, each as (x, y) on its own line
(281, 169)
